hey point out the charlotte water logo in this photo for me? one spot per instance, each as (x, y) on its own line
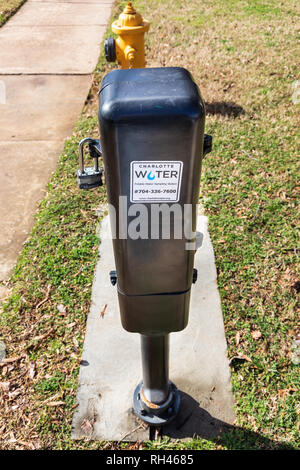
(149, 177)
(158, 173)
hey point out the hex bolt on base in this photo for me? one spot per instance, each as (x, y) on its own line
(156, 415)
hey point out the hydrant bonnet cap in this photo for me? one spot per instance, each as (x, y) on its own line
(129, 17)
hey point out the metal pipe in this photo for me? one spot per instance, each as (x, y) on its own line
(155, 363)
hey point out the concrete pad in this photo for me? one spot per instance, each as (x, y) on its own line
(65, 14)
(50, 49)
(25, 171)
(41, 107)
(111, 366)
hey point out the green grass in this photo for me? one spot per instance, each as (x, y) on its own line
(254, 234)
(262, 8)
(9, 8)
(242, 55)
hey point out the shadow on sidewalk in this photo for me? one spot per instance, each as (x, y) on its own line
(193, 421)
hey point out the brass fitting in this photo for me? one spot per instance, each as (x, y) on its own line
(129, 48)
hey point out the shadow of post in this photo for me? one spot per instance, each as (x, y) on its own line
(193, 421)
(224, 108)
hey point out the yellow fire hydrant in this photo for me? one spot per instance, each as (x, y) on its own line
(129, 48)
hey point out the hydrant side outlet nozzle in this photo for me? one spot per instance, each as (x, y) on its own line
(128, 49)
(110, 50)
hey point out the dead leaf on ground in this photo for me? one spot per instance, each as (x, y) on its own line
(56, 403)
(61, 308)
(4, 386)
(86, 426)
(102, 313)
(15, 393)
(240, 357)
(31, 370)
(256, 334)
(9, 360)
(286, 391)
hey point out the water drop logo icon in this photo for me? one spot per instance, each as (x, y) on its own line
(149, 177)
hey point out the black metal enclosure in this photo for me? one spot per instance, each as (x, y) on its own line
(152, 135)
(152, 128)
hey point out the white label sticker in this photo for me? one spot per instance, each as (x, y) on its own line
(155, 181)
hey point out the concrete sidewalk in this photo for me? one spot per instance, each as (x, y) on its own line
(48, 52)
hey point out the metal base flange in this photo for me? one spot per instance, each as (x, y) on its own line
(156, 415)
